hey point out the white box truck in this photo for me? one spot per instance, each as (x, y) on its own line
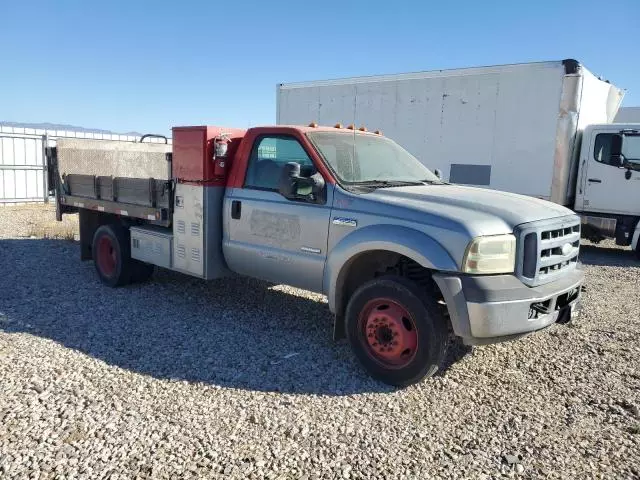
(540, 129)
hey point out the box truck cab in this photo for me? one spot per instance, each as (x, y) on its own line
(608, 193)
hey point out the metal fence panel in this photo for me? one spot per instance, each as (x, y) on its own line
(22, 168)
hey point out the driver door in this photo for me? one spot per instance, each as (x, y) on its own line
(269, 236)
(610, 188)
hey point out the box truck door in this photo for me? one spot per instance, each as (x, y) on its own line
(607, 186)
(268, 235)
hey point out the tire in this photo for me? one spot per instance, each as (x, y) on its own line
(393, 309)
(141, 271)
(111, 252)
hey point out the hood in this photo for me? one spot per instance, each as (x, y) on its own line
(482, 208)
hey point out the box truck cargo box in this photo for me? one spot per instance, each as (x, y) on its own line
(540, 129)
(508, 127)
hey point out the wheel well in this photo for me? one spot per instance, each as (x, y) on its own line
(89, 222)
(372, 264)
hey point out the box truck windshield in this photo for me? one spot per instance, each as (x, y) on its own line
(362, 158)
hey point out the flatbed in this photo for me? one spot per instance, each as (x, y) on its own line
(131, 179)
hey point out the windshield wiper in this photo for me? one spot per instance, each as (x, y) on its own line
(387, 183)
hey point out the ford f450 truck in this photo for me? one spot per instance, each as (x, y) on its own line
(540, 129)
(404, 258)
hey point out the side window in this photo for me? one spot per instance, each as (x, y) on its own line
(602, 148)
(269, 155)
(631, 151)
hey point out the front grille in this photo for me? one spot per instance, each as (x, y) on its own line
(547, 249)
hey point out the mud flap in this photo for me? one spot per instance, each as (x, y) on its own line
(570, 313)
(576, 309)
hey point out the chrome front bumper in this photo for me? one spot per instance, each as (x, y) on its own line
(490, 309)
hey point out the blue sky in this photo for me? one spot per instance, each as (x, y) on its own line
(145, 66)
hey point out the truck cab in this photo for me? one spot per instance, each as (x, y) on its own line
(608, 182)
(405, 259)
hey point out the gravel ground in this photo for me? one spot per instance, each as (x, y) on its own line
(179, 378)
(36, 221)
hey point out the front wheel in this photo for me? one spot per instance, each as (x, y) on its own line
(396, 331)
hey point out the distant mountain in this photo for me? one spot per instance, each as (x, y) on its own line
(58, 126)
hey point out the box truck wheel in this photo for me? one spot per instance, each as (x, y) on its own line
(396, 331)
(112, 255)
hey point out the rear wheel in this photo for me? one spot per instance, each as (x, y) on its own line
(112, 255)
(396, 331)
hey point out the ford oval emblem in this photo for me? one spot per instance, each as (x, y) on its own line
(566, 248)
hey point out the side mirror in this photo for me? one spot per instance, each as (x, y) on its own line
(617, 159)
(294, 186)
(438, 173)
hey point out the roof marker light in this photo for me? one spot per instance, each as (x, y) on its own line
(313, 125)
(337, 125)
(363, 128)
(351, 127)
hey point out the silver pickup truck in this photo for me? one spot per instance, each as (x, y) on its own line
(405, 259)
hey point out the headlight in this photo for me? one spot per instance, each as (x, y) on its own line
(494, 254)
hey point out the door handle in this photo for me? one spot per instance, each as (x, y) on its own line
(236, 209)
(594, 180)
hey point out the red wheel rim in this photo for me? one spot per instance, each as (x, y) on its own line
(389, 332)
(106, 256)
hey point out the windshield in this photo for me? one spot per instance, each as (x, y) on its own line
(373, 158)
